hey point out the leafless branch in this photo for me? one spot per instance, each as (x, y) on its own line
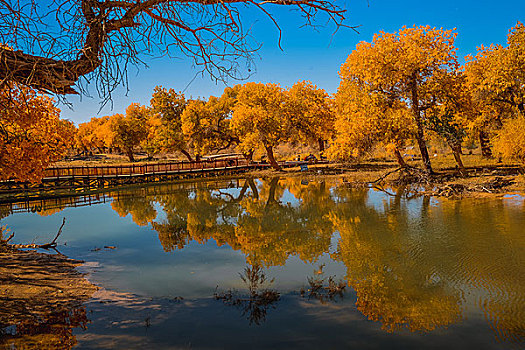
(63, 47)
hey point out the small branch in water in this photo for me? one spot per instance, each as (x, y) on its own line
(50, 245)
(10, 236)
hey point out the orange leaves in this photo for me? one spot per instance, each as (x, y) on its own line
(510, 140)
(31, 134)
(310, 114)
(382, 81)
(258, 116)
(130, 130)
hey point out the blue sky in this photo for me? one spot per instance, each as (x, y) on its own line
(314, 55)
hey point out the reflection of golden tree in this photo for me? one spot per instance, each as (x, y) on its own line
(55, 331)
(253, 219)
(491, 248)
(269, 231)
(139, 206)
(197, 215)
(393, 285)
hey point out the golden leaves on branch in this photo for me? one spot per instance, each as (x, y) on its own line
(32, 136)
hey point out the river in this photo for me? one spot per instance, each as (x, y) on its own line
(290, 262)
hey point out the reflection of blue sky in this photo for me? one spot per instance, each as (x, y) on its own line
(295, 323)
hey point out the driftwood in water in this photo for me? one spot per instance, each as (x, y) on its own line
(50, 245)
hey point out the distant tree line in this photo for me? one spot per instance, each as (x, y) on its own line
(400, 89)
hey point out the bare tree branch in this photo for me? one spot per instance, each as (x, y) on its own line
(63, 46)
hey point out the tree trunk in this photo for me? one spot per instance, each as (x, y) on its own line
(420, 135)
(400, 159)
(273, 162)
(271, 192)
(248, 156)
(129, 153)
(187, 155)
(321, 144)
(456, 151)
(252, 185)
(486, 151)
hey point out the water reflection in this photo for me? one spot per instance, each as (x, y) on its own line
(260, 298)
(414, 263)
(41, 300)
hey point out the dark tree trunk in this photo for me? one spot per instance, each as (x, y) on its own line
(456, 151)
(129, 153)
(271, 158)
(420, 135)
(253, 187)
(249, 156)
(187, 155)
(399, 158)
(271, 192)
(321, 144)
(486, 151)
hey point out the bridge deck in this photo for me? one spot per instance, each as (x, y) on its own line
(58, 180)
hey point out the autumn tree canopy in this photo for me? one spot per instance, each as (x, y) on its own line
(496, 83)
(56, 44)
(32, 136)
(365, 119)
(410, 66)
(259, 119)
(310, 112)
(207, 124)
(130, 129)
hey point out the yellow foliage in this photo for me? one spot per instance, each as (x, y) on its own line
(257, 119)
(397, 71)
(310, 113)
(495, 77)
(32, 135)
(206, 124)
(130, 130)
(510, 140)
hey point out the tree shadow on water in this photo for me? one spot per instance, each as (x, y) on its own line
(260, 298)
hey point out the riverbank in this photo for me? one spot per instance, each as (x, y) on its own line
(41, 298)
(483, 177)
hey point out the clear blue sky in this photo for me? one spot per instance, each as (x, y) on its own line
(316, 55)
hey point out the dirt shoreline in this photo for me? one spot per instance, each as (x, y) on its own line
(41, 298)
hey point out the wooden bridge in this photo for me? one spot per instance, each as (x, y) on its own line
(57, 179)
(67, 181)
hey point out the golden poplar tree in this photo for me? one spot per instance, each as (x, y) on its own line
(130, 129)
(310, 113)
(32, 135)
(496, 80)
(258, 118)
(405, 66)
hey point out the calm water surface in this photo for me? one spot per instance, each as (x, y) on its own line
(289, 263)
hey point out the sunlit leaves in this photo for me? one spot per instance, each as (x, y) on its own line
(258, 118)
(32, 136)
(130, 129)
(398, 68)
(310, 114)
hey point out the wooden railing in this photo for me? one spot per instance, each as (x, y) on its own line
(142, 169)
